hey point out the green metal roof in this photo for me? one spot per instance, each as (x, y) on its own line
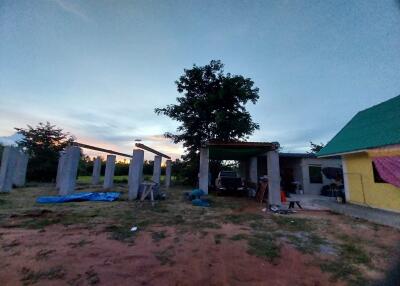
(374, 127)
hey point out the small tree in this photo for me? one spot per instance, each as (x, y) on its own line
(43, 144)
(315, 148)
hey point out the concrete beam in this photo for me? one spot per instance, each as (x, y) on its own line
(168, 173)
(203, 170)
(96, 171)
(69, 170)
(274, 178)
(136, 170)
(156, 170)
(8, 162)
(109, 173)
(61, 163)
(21, 166)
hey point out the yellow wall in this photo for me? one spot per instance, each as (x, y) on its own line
(360, 177)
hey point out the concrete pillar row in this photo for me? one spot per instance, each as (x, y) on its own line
(69, 170)
(96, 171)
(168, 173)
(157, 169)
(274, 178)
(135, 173)
(8, 163)
(203, 171)
(109, 173)
(19, 178)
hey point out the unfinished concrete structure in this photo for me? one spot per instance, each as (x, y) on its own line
(168, 173)
(69, 170)
(255, 159)
(96, 171)
(109, 173)
(8, 163)
(21, 166)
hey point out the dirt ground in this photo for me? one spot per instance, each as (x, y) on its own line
(231, 243)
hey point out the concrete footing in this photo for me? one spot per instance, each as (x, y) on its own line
(136, 170)
(21, 166)
(69, 170)
(96, 171)
(157, 169)
(168, 173)
(109, 173)
(8, 163)
(203, 172)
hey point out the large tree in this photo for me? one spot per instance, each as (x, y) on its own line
(43, 144)
(212, 107)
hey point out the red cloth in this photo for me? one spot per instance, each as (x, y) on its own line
(283, 197)
(389, 169)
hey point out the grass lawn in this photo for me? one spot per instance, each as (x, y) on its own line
(87, 243)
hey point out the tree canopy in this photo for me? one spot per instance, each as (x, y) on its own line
(212, 106)
(315, 148)
(43, 144)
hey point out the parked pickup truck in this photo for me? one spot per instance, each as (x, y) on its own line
(228, 181)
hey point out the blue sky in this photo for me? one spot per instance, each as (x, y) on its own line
(99, 68)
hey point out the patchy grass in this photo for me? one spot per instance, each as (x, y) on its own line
(240, 236)
(43, 254)
(158, 235)
(218, 238)
(264, 245)
(242, 218)
(293, 224)
(165, 256)
(31, 277)
(80, 243)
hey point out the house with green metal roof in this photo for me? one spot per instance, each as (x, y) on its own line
(369, 145)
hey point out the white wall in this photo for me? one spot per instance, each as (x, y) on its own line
(315, 189)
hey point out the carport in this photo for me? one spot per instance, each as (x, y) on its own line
(255, 159)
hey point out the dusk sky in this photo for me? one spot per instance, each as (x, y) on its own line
(99, 68)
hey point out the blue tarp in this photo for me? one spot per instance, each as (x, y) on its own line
(79, 197)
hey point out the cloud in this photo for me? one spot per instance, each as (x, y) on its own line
(70, 7)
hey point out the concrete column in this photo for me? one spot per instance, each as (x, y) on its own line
(8, 162)
(274, 178)
(61, 163)
(21, 166)
(69, 170)
(96, 171)
(136, 170)
(253, 174)
(157, 170)
(168, 173)
(109, 174)
(203, 170)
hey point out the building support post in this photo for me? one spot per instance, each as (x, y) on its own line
(69, 170)
(109, 173)
(8, 162)
(136, 170)
(274, 179)
(61, 163)
(21, 166)
(253, 172)
(203, 171)
(157, 169)
(96, 171)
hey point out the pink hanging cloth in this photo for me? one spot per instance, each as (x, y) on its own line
(389, 169)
